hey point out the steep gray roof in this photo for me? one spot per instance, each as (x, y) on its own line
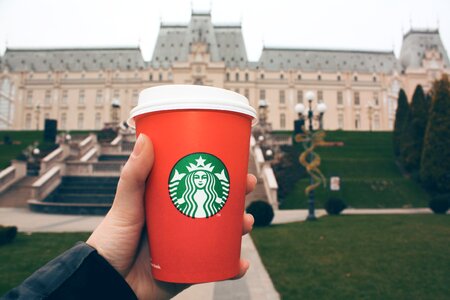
(414, 45)
(327, 60)
(77, 59)
(225, 43)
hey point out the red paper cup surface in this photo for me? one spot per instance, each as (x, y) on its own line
(195, 194)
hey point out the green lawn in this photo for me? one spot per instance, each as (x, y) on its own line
(21, 140)
(369, 176)
(28, 253)
(359, 257)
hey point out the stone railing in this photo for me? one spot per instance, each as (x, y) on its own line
(121, 145)
(265, 172)
(279, 140)
(90, 155)
(94, 168)
(55, 157)
(12, 174)
(46, 183)
(80, 149)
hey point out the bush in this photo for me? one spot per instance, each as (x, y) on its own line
(7, 234)
(106, 135)
(262, 212)
(440, 204)
(334, 206)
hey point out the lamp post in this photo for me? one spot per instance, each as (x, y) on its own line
(300, 109)
(115, 108)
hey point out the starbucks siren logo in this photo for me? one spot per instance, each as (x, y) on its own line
(199, 185)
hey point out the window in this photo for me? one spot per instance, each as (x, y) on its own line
(374, 79)
(340, 100)
(262, 76)
(281, 76)
(237, 77)
(99, 98)
(341, 121)
(28, 121)
(356, 100)
(29, 98)
(63, 121)
(246, 93)
(339, 78)
(355, 78)
(262, 94)
(282, 98)
(150, 77)
(299, 77)
(376, 98)
(319, 77)
(299, 96)
(98, 121)
(319, 95)
(246, 77)
(64, 98)
(48, 98)
(376, 122)
(160, 77)
(357, 121)
(135, 99)
(80, 120)
(282, 121)
(81, 98)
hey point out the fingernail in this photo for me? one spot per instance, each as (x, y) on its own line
(139, 145)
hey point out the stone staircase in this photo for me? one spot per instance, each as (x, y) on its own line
(18, 194)
(259, 193)
(80, 195)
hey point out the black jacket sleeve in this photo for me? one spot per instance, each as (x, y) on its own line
(79, 273)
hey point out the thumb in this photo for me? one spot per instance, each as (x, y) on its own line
(128, 203)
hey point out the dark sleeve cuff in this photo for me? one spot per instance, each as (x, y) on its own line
(79, 273)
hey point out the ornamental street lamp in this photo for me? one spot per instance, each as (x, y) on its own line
(310, 139)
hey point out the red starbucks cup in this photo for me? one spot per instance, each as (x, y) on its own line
(195, 194)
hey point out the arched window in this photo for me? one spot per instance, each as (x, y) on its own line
(28, 121)
(80, 121)
(98, 121)
(63, 121)
(282, 121)
(341, 121)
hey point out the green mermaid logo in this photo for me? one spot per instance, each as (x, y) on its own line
(199, 185)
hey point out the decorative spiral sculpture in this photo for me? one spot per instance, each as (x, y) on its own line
(310, 141)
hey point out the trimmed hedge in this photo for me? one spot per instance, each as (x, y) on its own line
(440, 204)
(7, 234)
(334, 206)
(262, 212)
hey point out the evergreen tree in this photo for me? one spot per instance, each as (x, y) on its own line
(401, 118)
(415, 130)
(435, 163)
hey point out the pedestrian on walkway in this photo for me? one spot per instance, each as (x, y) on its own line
(114, 263)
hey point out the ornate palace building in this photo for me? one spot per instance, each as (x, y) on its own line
(78, 87)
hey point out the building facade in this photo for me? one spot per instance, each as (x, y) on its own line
(78, 87)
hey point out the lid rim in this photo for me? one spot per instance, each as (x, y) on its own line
(183, 97)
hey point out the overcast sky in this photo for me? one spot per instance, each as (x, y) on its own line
(344, 24)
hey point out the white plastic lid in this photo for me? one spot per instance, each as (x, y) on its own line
(175, 97)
